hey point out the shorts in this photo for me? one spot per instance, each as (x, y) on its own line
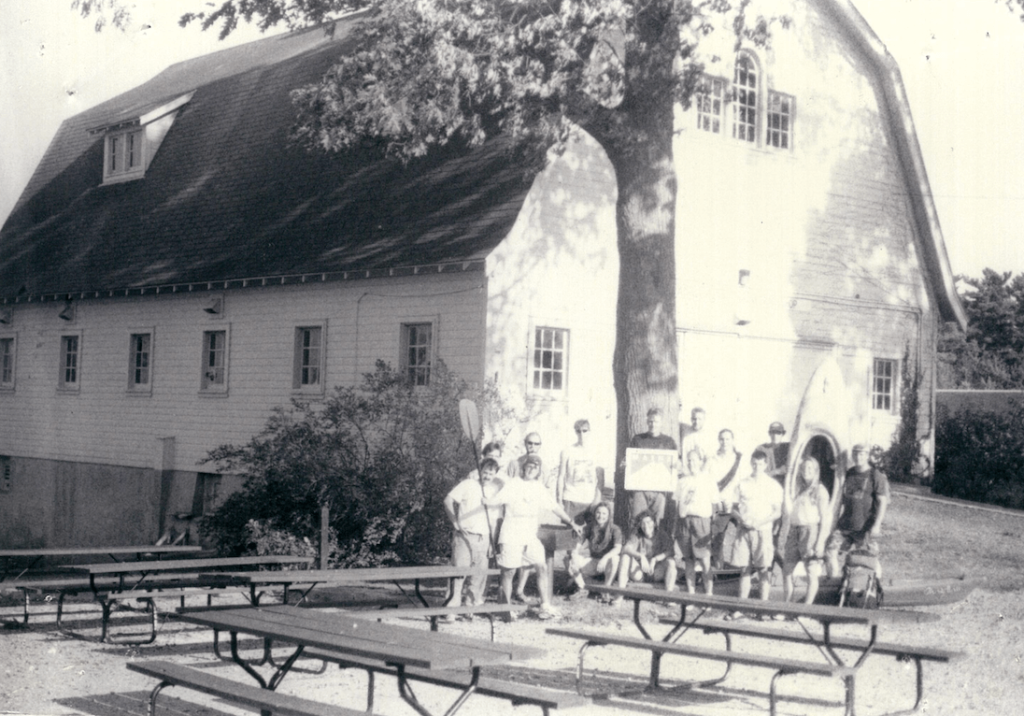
(637, 575)
(590, 566)
(753, 548)
(843, 541)
(521, 553)
(800, 545)
(693, 537)
(641, 501)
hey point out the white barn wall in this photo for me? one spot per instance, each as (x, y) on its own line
(559, 268)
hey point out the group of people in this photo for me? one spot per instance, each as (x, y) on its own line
(721, 513)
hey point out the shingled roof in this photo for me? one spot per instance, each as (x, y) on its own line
(227, 198)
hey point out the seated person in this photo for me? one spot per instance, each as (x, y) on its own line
(697, 497)
(648, 556)
(597, 553)
(808, 516)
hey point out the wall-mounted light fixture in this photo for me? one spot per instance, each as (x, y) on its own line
(68, 312)
(7, 315)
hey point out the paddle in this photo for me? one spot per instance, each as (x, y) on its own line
(471, 429)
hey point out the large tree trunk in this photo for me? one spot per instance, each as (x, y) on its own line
(645, 365)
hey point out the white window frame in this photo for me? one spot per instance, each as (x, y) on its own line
(63, 384)
(535, 372)
(422, 377)
(116, 156)
(140, 388)
(884, 388)
(8, 384)
(207, 386)
(743, 130)
(298, 359)
(710, 101)
(779, 137)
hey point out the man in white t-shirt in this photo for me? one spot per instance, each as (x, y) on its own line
(473, 529)
(580, 481)
(757, 503)
(697, 437)
(526, 501)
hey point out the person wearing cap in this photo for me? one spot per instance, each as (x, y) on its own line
(861, 510)
(777, 451)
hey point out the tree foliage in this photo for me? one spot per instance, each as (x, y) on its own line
(380, 457)
(991, 353)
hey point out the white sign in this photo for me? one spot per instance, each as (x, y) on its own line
(655, 470)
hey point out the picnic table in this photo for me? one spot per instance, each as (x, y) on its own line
(35, 554)
(344, 636)
(837, 663)
(307, 580)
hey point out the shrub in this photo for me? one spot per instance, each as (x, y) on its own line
(381, 457)
(980, 455)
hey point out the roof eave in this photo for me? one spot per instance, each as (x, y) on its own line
(908, 149)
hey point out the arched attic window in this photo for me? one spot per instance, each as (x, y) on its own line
(745, 92)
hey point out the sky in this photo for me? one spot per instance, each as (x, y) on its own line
(961, 62)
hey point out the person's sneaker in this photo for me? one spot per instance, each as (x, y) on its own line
(447, 619)
(520, 598)
(735, 616)
(615, 602)
(466, 617)
(548, 612)
(580, 595)
(780, 617)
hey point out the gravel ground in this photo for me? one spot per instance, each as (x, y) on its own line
(45, 672)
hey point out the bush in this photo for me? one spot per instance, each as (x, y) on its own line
(980, 456)
(381, 457)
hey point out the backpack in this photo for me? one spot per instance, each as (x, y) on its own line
(861, 587)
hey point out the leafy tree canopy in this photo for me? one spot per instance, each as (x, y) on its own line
(991, 353)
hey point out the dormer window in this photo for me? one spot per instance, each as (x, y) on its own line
(125, 155)
(131, 141)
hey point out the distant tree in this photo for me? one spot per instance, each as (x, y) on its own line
(989, 355)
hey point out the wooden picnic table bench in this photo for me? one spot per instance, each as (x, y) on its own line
(306, 580)
(34, 554)
(236, 692)
(516, 693)
(343, 635)
(834, 663)
(902, 652)
(436, 614)
(148, 580)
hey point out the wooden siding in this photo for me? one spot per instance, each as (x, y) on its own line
(105, 423)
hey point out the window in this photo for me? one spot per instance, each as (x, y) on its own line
(883, 387)
(779, 120)
(744, 86)
(5, 473)
(140, 351)
(124, 157)
(550, 348)
(710, 99)
(309, 353)
(215, 361)
(7, 362)
(417, 344)
(70, 362)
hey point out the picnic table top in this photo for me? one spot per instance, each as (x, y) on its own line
(824, 613)
(345, 634)
(349, 576)
(119, 549)
(186, 564)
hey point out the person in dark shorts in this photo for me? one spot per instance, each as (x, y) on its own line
(808, 517)
(697, 496)
(650, 502)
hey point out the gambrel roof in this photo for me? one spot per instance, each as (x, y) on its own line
(228, 198)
